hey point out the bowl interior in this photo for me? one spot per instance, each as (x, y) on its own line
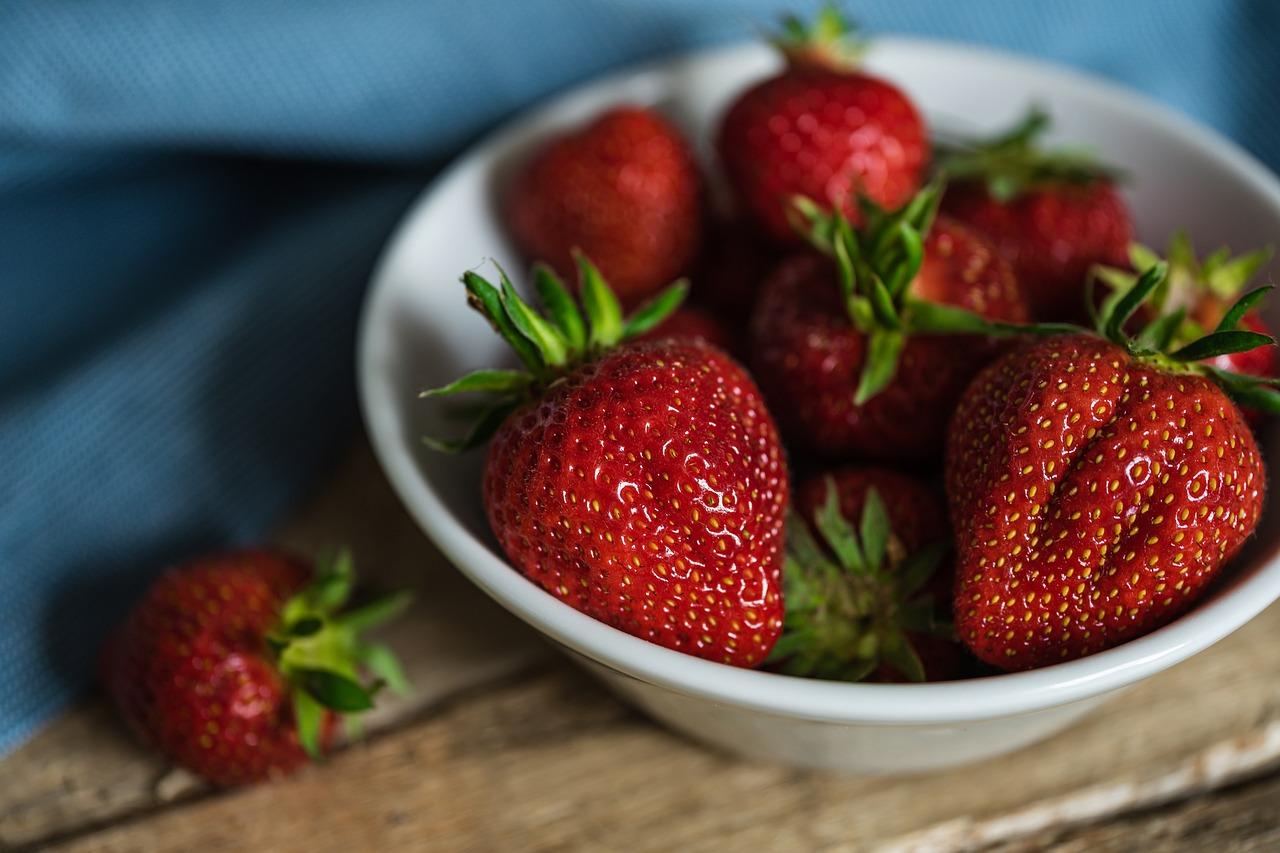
(418, 333)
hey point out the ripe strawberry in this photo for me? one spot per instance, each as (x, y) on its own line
(875, 373)
(625, 190)
(868, 603)
(1052, 214)
(234, 665)
(691, 324)
(821, 129)
(1097, 485)
(1200, 293)
(641, 483)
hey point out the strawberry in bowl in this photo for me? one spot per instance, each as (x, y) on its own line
(1099, 482)
(642, 483)
(1196, 295)
(864, 347)
(868, 585)
(821, 128)
(1053, 214)
(625, 189)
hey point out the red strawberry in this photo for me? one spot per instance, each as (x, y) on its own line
(848, 378)
(821, 129)
(1096, 487)
(1198, 295)
(691, 324)
(641, 483)
(870, 603)
(234, 665)
(1052, 214)
(625, 190)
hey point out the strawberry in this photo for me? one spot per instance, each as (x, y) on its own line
(821, 129)
(235, 665)
(625, 190)
(1098, 483)
(865, 604)
(858, 356)
(1052, 214)
(691, 324)
(641, 483)
(1200, 293)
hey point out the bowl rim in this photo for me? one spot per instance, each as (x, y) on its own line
(791, 696)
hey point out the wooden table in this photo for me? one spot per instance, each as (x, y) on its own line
(506, 746)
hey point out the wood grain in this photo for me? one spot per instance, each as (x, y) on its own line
(552, 762)
(505, 747)
(1239, 818)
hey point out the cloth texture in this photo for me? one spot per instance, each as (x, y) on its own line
(192, 196)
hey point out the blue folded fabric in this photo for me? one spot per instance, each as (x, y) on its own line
(192, 195)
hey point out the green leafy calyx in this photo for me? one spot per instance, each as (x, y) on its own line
(550, 342)
(1200, 288)
(1014, 162)
(830, 41)
(875, 265)
(853, 599)
(1175, 342)
(321, 652)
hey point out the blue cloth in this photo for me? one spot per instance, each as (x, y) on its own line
(192, 194)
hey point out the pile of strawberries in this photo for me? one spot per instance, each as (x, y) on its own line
(970, 478)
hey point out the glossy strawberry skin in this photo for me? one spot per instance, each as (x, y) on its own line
(647, 489)
(808, 357)
(625, 190)
(918, 518)
(692, 324)
(1093, 496)
(824, 134)
(191, 673)
(1052, 236)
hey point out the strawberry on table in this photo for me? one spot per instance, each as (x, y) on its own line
(870, 601)
(865, 355)
(1200, 293)
(236, 665)
(1097, 483)
(823, 129)
(641, 483)
(1052, 213)
(625, 190)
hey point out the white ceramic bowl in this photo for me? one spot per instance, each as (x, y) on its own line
(417, 332)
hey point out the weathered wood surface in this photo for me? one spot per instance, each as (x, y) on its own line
(505, 746)
(1240, 818)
